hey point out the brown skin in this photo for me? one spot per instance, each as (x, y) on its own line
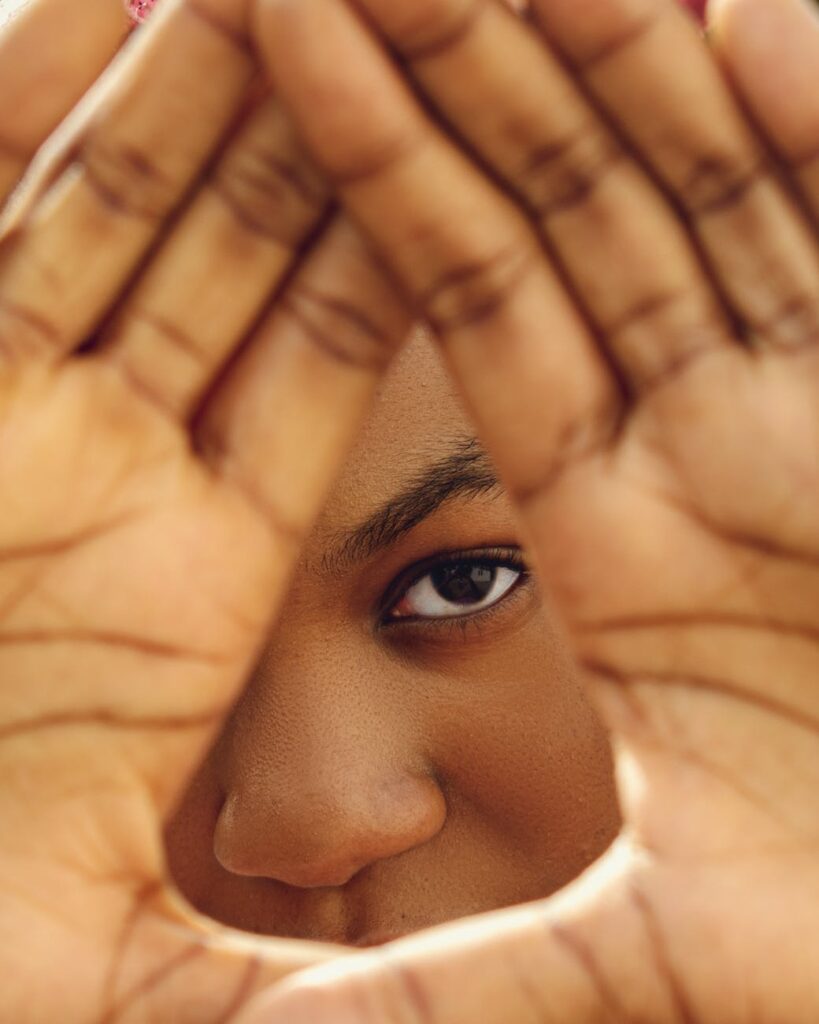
(377, 778)
(146, 551)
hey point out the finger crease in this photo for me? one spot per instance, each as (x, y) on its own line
(662, 958)
(717, 185)
(794, 326)
(244, 990)
(352, 319)
(475, 292)
(583, 954)
(570, 171)
(267, 216)
(151, 982)
(175, 335)
(114, 198)
(45, 334)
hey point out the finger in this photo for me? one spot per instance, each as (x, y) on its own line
(578, 958)
(460, 248)
(132, 151)
(222, 261)
(627, 255)
(49, 56)
(645, 63)
(166, 962)
(304, 383)
(771, 52)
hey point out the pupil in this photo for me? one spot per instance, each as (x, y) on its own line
(464, 583)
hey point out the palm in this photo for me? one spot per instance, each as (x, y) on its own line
(691, 594)
(135, 585)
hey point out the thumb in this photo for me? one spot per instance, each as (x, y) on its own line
(571, 958)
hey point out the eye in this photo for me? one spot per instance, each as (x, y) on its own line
(456, 587)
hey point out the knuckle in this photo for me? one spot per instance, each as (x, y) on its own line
(25, 335)
(795, 324)
(560, 175)
(126, 180)
(664, 334)
(719, 182)
(271, 191)
(477, 289)
(339, 328)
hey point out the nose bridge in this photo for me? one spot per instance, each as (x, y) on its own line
(326, 775)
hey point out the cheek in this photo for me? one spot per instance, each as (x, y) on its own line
(522, 746)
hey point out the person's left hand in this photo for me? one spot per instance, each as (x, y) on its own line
(624, 274)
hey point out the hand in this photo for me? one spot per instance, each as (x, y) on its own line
(651, 394)
(155, 488)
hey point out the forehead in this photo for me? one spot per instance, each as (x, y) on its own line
(416, 419)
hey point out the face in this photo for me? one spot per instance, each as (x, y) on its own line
(414, 745)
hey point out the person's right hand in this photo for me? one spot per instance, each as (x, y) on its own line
(153, 500)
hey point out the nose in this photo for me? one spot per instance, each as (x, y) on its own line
(322, 829)
(323, 772)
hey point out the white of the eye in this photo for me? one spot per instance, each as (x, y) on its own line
(424, 600)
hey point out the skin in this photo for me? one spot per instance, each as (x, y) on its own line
(377, 779)
(659, 443)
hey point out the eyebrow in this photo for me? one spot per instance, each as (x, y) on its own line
(464, 473)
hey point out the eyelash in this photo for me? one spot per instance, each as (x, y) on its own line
(496, 558)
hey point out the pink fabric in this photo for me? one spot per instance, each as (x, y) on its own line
(140, 9)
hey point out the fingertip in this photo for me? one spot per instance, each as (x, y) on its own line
(759, 22)
(770, 49)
